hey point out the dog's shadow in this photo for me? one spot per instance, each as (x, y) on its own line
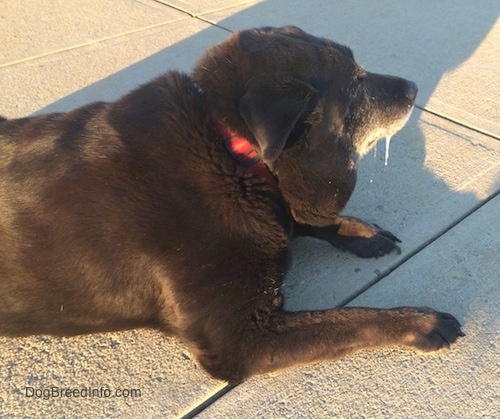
(406, 46)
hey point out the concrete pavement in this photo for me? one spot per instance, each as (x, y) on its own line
(439, 194)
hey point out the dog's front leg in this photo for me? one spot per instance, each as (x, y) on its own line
(305, 337)
(349, 233)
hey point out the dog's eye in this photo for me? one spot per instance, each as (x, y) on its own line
(350, 113)
(350, 116)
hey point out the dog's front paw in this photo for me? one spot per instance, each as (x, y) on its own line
(431, 330)
(378, 243)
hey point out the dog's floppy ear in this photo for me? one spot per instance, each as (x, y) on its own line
(271, 109)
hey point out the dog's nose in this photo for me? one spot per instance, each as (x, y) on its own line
(411, 90)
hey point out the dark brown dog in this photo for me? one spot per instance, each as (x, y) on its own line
(135, 214)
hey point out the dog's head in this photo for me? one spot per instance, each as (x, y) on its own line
(307, 106)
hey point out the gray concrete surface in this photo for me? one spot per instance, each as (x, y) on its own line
(438, 194)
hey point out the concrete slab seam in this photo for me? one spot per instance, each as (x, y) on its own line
(457, 122)
(93, 42)
(200, 15)
(418, 249)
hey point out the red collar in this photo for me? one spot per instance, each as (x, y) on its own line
(242, 151)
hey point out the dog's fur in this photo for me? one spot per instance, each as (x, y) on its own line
(134, 214)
